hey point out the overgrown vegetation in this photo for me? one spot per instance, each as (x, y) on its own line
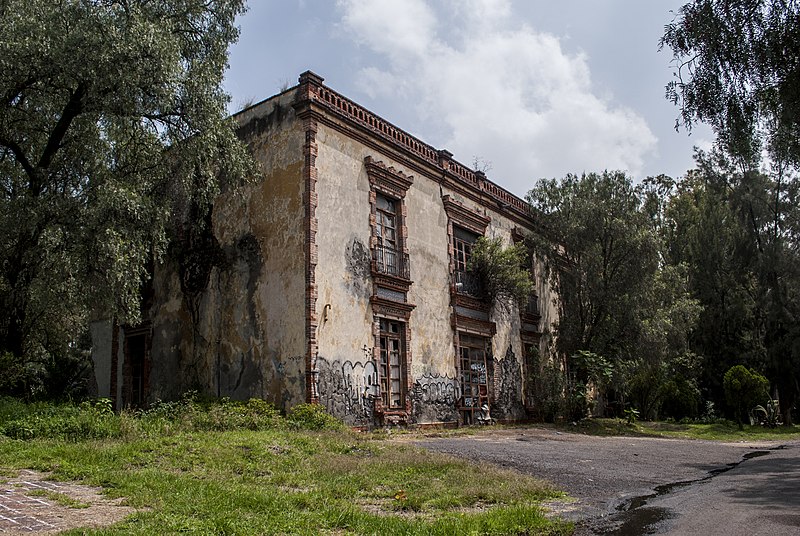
(502, 271)
(112, 125)
(745, 389)
(718, 430)
(673, 282)
(240, 467)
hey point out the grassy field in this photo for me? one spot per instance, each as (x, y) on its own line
(723, 431)
(187, 468)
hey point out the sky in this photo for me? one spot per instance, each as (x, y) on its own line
(523, 89)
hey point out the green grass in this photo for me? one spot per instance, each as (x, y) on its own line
(288, 480)
(721, 431)
(727, 431)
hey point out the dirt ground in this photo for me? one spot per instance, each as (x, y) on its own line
(31, 503)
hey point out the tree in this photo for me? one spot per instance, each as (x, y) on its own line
(744, 389)
(112, 126)
(501, 271)
(617, 302)
(599, 251)
(737, 67)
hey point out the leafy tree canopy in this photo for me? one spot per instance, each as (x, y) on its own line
(618, 300)
(112, 123)
(737, 67)
(599, 248)
(502, 271)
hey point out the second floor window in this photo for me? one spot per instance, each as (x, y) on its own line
(462, 247)
(386, 222)
(463, 241)
(389, 256)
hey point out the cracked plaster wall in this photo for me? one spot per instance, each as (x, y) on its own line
(345, 332)
(243, 335)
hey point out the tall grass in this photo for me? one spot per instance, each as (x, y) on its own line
(241, 468)
(96, 419)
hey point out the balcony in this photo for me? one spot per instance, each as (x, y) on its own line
(532, 307)
(389, 261)
(467, 283)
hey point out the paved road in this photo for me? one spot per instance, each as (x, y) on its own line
(637, 486)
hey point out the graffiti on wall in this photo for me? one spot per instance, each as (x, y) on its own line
(508, 401)
(348, 389)
(434, 398)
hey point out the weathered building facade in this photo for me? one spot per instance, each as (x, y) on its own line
(339, 277)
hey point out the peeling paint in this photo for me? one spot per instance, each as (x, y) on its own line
(508, 403)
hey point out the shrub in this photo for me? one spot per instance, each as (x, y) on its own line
(681, 399)
(546, 386)
(744, 389)
(89, 420)
(312, 417)
(254, 414)
(501, 271)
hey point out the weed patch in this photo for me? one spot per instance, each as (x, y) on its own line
(303, 474)
(716, 431)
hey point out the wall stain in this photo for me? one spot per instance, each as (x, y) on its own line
(359, 267)
(508, 400)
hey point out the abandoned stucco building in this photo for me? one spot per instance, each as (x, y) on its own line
(340, 279)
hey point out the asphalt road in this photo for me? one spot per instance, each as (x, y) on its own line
(635, 486)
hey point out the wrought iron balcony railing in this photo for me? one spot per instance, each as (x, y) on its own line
(386, 260)
(467, 283)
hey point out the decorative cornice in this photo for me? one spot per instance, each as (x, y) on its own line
(464, 217)
(387, 179)
(473, 325)
(312, 98)
(390, 281)
(462, 300)
(389, 308)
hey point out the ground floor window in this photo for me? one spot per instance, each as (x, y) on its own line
(392, 366)
(472, 353)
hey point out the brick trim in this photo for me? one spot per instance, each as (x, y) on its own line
(387, 179)
(309, 84)
(464, 217)
(342, 114)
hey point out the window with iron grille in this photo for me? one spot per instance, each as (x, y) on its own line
(389, 256)
(465, 281)
(392, 366)
(473, 374)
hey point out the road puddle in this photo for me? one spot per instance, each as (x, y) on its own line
(634, 517)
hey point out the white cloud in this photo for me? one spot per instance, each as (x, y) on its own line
(398, 30)
(495, 88)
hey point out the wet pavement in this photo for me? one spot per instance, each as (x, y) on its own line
(632, 486)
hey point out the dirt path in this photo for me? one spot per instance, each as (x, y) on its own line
(31, 503)
(612, 478)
